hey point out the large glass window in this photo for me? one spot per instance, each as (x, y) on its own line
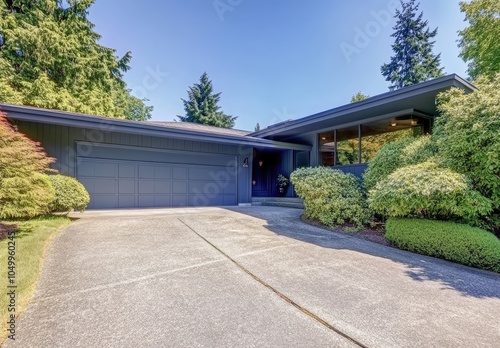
(342, 146)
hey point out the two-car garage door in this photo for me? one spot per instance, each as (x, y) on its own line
(115, 178)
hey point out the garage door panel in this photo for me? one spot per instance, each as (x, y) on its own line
(162, 201)
(146, 201)
(179, 187)
(85, 168)
(106, 170)
(126, 186)
(163, 172)
(126, 201)
(104, 185)
(162, 186)
(146, 172)
(116, 183)
(103, 201)
(179, 173)
(179, 200)
(230, 200)
(230, 188)
(146, 186)
(88, 183)
(126, 171)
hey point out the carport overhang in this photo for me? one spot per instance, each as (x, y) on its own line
(416, 99)
(62, 118)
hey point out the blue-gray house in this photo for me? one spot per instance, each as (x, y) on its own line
(128, 164)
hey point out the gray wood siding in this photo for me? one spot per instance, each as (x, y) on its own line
(60, 142)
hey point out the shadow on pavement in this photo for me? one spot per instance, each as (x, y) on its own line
(466, 280)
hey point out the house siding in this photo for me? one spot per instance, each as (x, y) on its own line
(60, 142)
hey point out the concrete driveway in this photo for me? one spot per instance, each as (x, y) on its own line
(248, 277)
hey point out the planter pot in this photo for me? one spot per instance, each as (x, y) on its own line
(282, 190)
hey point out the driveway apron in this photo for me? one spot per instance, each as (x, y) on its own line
(247, 277)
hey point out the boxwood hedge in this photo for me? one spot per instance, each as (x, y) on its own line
(451, 241)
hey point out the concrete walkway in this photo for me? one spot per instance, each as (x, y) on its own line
(248, 277)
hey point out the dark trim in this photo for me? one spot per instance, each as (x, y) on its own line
(452, 80)
(62, 118)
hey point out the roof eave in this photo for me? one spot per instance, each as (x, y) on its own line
(124, 126)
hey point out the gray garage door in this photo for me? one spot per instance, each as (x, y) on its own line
(116, 183)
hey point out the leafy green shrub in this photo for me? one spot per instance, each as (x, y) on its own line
(70, 194)
(467, 134)
(447, 240)
(429, 191)
(398, 154)
(25, 196)
(24, 191)
(331, 196)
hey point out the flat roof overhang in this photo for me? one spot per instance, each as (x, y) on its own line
(107, 124)
(419, 98)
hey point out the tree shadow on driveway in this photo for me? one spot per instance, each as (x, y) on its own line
(467, 281)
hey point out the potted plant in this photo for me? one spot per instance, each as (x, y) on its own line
(282, 184)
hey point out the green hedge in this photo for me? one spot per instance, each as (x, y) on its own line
(426, 190)
(25, 197)
(70, 194)
(459, 243)
(398, 154)
(331, 196)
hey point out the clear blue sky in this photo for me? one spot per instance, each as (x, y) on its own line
(272, 59)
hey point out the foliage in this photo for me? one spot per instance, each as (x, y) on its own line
(447, 240)
(31, 243)
(468, 137)
(359, 97)
(70, 194)
(331, 196)
(425, 190)
(26, 196)
(24, 191)
(282, 180)
(479, 42)
(413, 60)
(50, 57)
(257, 127)
(201, 106)
(392, 156)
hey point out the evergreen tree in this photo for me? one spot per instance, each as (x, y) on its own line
(257, 127)
(413, 60)
(479, 42)
(359, 97)
(50, 57)
(201, 106)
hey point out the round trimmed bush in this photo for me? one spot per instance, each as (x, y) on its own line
(69, 194)
(396, 155)
(25, 197)
(331, 196)
(447, 240)
(429, 191)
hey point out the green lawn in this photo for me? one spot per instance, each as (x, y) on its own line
(31, 241)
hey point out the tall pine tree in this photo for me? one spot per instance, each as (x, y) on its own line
(50, 57)
(413, 60)
(201, 106)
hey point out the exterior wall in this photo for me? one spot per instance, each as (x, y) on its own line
(61, 142)
(355, 169)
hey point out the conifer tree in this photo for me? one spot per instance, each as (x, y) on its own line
(50, 57)
(201, 106)
(413, 60)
